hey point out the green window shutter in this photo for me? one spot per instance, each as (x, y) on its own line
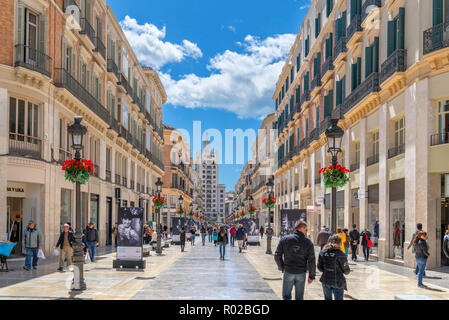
(338, 93)
(337, 30)
(390, 40)
(64, 53)
(298, 62)
(343, 23)
(353, 9)
(88, 10)
(329, 7)
(316, 28)
(368, 61)
(353, 76)
(20, 22)
(330, 103)
(343, 90)
(401, 29)
(437, 12)
(359, 71)
(376, 54)
(319, 62)
(43, 33)
(318, 117)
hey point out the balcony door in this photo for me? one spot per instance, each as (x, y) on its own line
(31, 36)
(443, 122)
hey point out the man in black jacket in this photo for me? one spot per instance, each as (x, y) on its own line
(295, 255)
(354, 236)
(66, 239)
(91, 240)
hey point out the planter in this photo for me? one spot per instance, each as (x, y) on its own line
(334, 177)
(78, 171)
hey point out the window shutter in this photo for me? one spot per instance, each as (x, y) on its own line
(100, 91)
(64, 53)
(80, 64)
(319, 62)
(343, 90)
(20, 23)
(330, 103)
(353, 76)
(368, 61)
(401, 28)
(353, 9)
(390, 40)
(329, 7)
(338, 94)
(437, 12)
(359, 71)
(376, 54)
(343, 22)
(88, 10)
(337, 30)
(73, 64)
(43, 33)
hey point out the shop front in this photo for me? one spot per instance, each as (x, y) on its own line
(397, 219)
(373, 216)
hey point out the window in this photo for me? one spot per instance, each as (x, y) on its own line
(357, 151)
(23, 120)
(318, 25)
(372, 58)
(399, 133)
(318, 118)
(317, 64)
(396, 29)
(125, 68)
(307, 43)
(340, 27)
(341, 91)
(329, 46)
(31, 34)
(329, 7)
(356, 72)
(148, 145)
(375, 139)
(440, 11)
(125, 115)
(356, 8)
(443, 117)
(148, 101)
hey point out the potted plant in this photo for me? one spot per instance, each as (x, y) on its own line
(159, 202)
(335, 176)
(269, 202)
(78, 171)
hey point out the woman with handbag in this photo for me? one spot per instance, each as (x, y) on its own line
(346, 243)
(222, 239)
(366, 243)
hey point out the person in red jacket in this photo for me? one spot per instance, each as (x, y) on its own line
(232, 232)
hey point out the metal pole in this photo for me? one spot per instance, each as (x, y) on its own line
(334, 202)
(78, 282)
(159, 231)
(269, 231)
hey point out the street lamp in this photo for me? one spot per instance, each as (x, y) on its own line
(181, 202)
(77, 131)
(269, 232)
(334, 136)
(159, 227)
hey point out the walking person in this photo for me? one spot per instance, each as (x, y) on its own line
(262, 231)
(34, 241)
(223, 240)
(366, 243)
(91, 240)
(115, 233)
(323, 237)
(346, 242)
(334, 265)
(411, 245)
(294, 256)
(210, 233)
(65, 241)
(193, 235)
(150, 234)
(421, 254)
(215, 236)
(240, 236)
(343, 238)
(232, 232)
(446, 244)
(203, 234)
(354, 236)
(182, 238)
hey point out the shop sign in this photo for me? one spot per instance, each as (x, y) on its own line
(362, 194)
(320, 200)
(313, 209)
(15, 190)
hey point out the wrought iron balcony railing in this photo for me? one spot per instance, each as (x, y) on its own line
(436, 38)
(396, 62)
(340, 47)
(123, 82)
(316, 82)
(99, 46)
(112, 67)
(328, 65)
(393, 152)
(371, 84)
(303, 144)
(314, 134)
(372, 160)
(355, 166)
(325, 124)
(32, 59)
(370, 4)
(88, 30)
(298, 107)
(305, 97)
(65, 80)
(25, 146)
(354, 26)
(337, 112)
(439, 138)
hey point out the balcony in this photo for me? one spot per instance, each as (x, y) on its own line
(340, 49)
(108, 175)
(318, 180)
(64, 155)
(64, 79)
(354, 27)
(393, 152)
(439, 138)
(88, 30)
(124, 182)
(355, 166)
(32, 59)
(316, 83)
(337, 112)
(372, 160)
(327, 66)
(118, 178)
(370, 85)
(303, 144)
(124, 83)
(314, 134)
(326, 123)
(114, 124)
(436, 38)
(298, 107)
(367, 4)
(396, 62)
(25, 146)
(305, 97)
(99, 47)
(112, 67)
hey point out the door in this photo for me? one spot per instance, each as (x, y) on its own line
(444, 227)
(31, 36)
(109, 221)
(15, 223)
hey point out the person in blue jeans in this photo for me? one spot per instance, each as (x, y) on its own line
(223, 240)
(91, 240)
(211, 230)
(295, 256)
(203, 232)
(33, 242)
(192, 237)
(422, 254)
(411, 245)
(333, 263)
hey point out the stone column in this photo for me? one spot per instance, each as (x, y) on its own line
(4, 149)
(420, 200)
(287, 187)
(102, 160)
(363, 203)
(323, 189)
(384, 186)
(312, 177)
(348, 190)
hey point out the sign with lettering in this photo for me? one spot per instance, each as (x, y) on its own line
(16, 190)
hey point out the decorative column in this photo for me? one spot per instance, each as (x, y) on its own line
(384, 186)
(348, 191)
(4, 149)
(363, 203)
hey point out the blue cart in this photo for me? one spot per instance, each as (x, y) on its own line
(5, 251)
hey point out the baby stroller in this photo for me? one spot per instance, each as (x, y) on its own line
(5, 251)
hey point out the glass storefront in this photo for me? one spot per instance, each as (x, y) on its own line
(443, 122)
(65, 214)
(94, 212)
(373, 215)
(397, 219)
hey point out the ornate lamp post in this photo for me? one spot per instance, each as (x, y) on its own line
(77, 131)
(181, 202)
(269, 231)
(159, 228)
(334, 136)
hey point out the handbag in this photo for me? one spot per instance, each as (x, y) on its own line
(369, 243)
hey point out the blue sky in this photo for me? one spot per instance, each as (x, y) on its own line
(218, 60)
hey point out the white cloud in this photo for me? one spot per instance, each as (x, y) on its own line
(242, 83)
(151, 50)
(305, 6)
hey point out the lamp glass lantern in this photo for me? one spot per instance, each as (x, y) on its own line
(270, 185)
(159, 185)
(250, 201)
(181, 201)
(334, 136)
(77, 131)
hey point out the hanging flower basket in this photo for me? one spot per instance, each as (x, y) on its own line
(269, 202)
(78, 171)
(252, 211)
(180, 211)
(243, 214)
(159, 202)
(335, 177)
(191, 214)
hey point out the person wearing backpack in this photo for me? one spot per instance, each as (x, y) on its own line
(411, 245)
(421, 254)
(215, 236)
(333, 263)
(346, 242)
(354, 236)
(366, 243)
(34, 241)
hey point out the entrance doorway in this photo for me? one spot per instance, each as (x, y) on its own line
(15, 223)
(109, 221)
(444, 227)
